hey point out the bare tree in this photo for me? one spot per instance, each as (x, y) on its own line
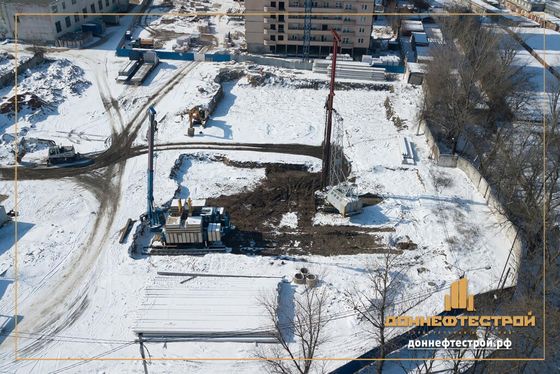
(299, 335)
(380, 299)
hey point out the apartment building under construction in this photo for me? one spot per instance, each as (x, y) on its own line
(279, 28)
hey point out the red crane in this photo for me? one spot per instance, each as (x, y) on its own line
(329, 108)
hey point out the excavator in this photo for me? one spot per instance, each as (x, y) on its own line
(197, 116)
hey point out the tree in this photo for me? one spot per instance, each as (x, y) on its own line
(380, 299)
(299, 335)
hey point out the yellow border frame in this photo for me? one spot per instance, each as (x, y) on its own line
(245, 14)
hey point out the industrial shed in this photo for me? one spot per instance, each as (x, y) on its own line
(207, 307)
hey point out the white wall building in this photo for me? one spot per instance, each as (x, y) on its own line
(60, 17)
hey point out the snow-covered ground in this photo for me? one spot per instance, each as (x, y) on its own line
(75, 279)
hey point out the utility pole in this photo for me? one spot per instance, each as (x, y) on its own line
(152, 217)
(329, 108)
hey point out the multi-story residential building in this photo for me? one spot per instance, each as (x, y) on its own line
(281, 29)
(553, 8)
(526, 5)
(55, 22)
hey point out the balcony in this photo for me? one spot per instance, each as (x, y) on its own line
(268, 20)
(269, 32)
(269, 42)
(269, 9)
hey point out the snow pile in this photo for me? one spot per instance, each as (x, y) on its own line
(289, 220)
(54, 81)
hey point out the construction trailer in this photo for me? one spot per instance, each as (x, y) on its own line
(342, 198)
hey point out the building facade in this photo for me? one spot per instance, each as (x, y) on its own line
(282, 32)
(527, 5)
(60, 17)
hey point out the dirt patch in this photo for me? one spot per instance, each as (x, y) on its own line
(288, 189)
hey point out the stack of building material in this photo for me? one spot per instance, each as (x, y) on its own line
(214, 232)
(174, 230)
(210, 307)
(350, 70)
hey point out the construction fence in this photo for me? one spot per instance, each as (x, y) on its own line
(490, 196)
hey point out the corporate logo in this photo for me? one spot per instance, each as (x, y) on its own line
(459, 297)
(458, 306)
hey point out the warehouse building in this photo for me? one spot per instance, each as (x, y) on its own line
(61, 17)
(283, 33)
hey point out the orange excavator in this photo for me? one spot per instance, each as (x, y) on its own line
(197, 116)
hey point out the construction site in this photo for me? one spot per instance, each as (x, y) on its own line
(164, 183)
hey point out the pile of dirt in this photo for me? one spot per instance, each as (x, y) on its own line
(288, 189)
(55, 80)
(24, 100)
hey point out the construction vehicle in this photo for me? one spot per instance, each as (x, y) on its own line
(143, 43)
(192, 227)
(197, 116)
(61, 154)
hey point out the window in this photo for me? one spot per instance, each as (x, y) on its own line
(273, 38)
(362, 29)
(360, 40)
(54, 9)
(338, 4)
(362, 19)
(107, 3)
(273, 27)
(100, 3)
(273, 3)
(84, 11)
(364, 6)
(74, 2)
(92, 8)
(345, 41)
(68, 22)
(58, 26)
(281, 18)
(76, 18)
(63, 5)
(280, 37)
(348, 6)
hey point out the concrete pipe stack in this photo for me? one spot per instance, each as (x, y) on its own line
(303, 276)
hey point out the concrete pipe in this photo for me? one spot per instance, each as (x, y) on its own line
(299, 278)
(304, 271)
(311, 280)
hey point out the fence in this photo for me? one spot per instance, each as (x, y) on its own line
(485, 189)
(181, 56)
(274, 61)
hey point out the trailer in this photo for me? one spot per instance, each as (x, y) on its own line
(128, 71)
(149, 62)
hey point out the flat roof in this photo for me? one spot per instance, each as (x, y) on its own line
(225, 308)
